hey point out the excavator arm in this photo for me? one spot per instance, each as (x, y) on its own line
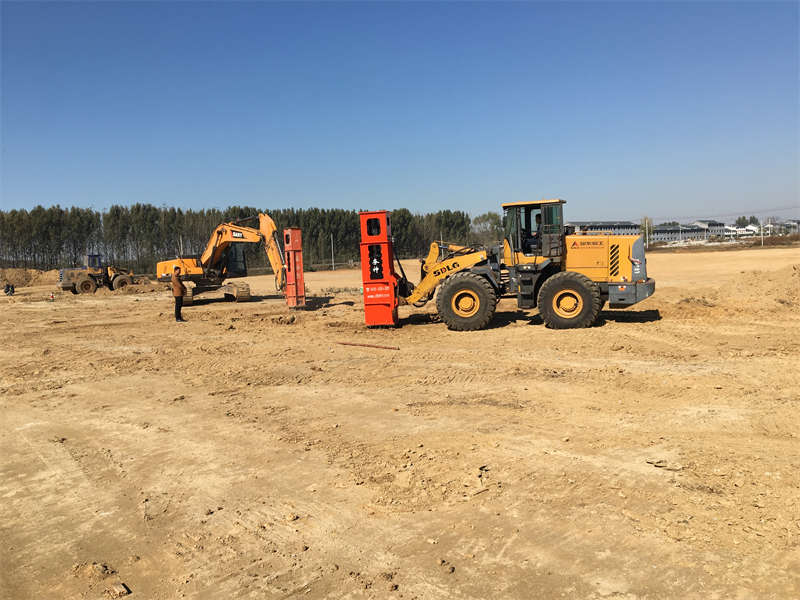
(272, 246)
(229, 233)
(221, 238)
(436, 268)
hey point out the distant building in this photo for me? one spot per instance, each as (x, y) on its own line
(677, 233)
(773, 228)
(712, 228)
(731, 231)
(786, 227)
(614, 227)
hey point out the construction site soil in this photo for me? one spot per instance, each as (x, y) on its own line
(249, 454)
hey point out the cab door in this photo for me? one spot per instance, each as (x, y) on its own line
(522, 245)
(552, 234)
(511, 235)
(235, 261)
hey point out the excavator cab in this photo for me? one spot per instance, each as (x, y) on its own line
(235, 261)
(534, 231)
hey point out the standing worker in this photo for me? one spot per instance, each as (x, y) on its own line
(178, 290)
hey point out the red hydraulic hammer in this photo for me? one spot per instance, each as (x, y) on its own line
(293, 250)
(377, 269)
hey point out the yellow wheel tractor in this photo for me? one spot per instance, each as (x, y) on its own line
(568, 276)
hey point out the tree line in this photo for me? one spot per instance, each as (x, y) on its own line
(140, 235)
(744, 221)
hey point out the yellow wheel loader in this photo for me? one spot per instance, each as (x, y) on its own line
(94, 274)
(568, 276)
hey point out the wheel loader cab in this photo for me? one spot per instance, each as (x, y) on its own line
(534, 231)
(94, 263)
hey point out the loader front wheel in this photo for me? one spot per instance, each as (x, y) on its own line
(86, 286)
(466, 302)
(121, 281)
(569, 300)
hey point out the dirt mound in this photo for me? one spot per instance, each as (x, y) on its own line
(28, 277)
(751, 291)
(766, 289)
(44, 277)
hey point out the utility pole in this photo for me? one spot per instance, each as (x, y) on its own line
(333, 264)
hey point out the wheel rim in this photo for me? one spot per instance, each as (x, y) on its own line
(122, 283)
(567, 304)
(465, 303)
(86, 287)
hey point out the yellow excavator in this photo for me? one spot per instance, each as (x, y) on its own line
(224, 259)
(545, 263)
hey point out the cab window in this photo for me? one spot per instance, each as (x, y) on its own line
(511, 226)
(551, 219)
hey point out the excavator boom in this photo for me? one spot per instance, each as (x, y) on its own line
(221, 239)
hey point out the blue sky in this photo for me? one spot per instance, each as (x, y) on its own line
(623, 109)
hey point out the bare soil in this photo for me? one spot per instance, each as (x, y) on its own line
(28, 277)
(248, 454)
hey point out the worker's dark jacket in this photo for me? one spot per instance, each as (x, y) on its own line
(178, 289)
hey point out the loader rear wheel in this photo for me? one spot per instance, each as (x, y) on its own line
(86, 286)
(121, 281)
(466, 302)
(569, 300)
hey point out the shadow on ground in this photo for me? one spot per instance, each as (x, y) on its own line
(203, 301)
(317, 302)
(500, 319)
(505, 318)
(628, 316)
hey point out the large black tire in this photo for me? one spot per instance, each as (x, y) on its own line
(466, 302)
(569, 300)
(121, 281)
(86, 286)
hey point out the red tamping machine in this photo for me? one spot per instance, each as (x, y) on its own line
(377, 269)
(293, 255)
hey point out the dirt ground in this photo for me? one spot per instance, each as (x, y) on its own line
(247, 454)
